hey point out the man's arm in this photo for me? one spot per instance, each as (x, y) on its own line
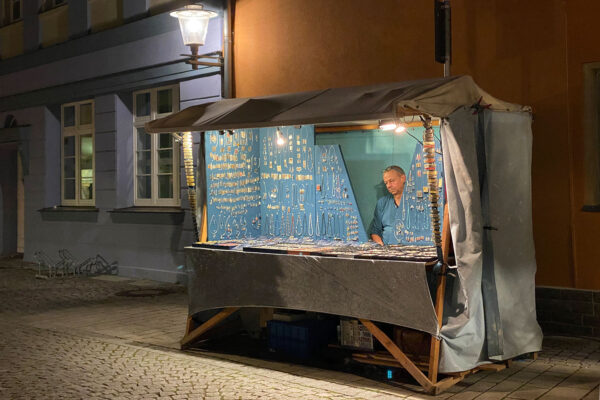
(376, 229)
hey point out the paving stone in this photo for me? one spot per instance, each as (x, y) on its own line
(528, 392)
(73, 337)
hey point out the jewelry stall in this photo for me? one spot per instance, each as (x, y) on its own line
(282, 223)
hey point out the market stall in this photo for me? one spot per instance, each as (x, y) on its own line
(279, 223)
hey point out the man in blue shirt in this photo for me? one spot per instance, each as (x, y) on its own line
(388, 216)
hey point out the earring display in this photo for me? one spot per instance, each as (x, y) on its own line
(337, 212)
(233, 184)
(287, 178)
(413, 222)
(272, 189)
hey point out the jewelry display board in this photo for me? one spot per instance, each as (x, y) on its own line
(233, 197)
(414, 226)
(337, 214)
(275, 183)
(286, 181)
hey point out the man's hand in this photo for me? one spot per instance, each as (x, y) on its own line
(377, 239)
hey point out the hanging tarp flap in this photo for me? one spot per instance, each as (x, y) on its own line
(395, 292)
(436, 97)
(492, 297)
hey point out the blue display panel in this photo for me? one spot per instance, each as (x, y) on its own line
(287, 184)
(337, 216)
(276, 184)
(233, 183)
(414, 227)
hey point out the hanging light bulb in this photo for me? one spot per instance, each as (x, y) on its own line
(280, 140)
(400, 128)
(387, 124)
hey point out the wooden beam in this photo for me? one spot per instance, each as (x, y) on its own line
(342, 128)
(390, 346)
(346, 128)
(208, 325)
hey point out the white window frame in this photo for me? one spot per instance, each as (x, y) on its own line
(77, 131)
(139, 122)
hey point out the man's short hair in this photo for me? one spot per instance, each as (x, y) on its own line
(394, 168)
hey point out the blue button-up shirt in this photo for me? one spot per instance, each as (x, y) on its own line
(388, 221)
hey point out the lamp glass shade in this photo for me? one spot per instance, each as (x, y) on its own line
(193, 22)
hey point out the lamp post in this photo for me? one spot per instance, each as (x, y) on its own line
(193, 23)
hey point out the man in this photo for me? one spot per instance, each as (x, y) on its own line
(387, 211)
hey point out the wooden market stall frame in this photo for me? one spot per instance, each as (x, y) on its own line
(425, 373)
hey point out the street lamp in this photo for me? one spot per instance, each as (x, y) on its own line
(193, 22)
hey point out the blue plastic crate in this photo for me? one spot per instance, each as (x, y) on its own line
(300, 339)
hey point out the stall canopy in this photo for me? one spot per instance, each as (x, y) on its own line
(489, 311)
(436, 97)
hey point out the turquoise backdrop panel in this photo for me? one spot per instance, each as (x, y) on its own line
(367, 153)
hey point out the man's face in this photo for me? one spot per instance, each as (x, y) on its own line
(394, 182)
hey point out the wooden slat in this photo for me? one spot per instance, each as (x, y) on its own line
(445, 384)
(387, 360)
(492, 367)
(205, 327)
(204, 229)
(390, 346)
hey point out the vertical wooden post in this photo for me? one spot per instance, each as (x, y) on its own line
(188, 162)
(434, 351)
(442, 245)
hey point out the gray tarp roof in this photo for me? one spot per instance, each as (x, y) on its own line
(436, 97)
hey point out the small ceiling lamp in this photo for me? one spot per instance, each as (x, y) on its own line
(193, 22)
(400, 128)
(387, 124)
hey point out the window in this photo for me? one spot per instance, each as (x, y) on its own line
(12, 11)
(50, 4)
(591, 126)
(156, 166)
(77, 121)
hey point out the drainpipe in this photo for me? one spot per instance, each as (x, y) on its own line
(443, 34)
(228, 18)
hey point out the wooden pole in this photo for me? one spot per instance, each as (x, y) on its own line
(205, 327)
(434, 351)
(188, 162)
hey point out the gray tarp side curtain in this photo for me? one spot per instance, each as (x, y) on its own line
(489, 311)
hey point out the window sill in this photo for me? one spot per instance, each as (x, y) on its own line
(69, 209)
(590, 208)
(148, 210)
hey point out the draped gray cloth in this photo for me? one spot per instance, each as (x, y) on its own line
(395, 292)
(437, 97)
(489, 311)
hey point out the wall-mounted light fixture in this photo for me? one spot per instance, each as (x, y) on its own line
(193, 22)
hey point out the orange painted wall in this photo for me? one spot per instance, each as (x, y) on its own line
(515, 50)
(584, 47)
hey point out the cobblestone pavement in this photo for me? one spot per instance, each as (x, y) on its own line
(75, 338)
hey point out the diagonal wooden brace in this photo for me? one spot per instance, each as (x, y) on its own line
(406, 363)
(206, 326)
